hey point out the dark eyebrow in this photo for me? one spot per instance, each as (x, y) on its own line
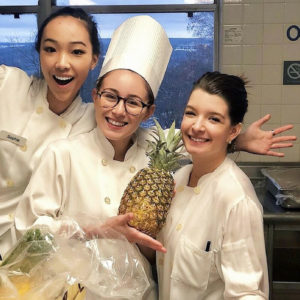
(73, 43)
(117, 92)
(218, 114)
(190, 107)
(211, 112)
(111, 90)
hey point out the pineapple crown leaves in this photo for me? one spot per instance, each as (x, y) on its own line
(163, 149)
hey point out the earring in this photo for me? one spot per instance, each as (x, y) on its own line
(229, 142)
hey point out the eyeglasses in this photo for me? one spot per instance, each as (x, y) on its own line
(133, 105)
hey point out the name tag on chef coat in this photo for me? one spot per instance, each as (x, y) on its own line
(13, 138)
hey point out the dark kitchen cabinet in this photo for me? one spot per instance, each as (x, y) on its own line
(282, 237)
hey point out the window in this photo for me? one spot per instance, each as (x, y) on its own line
(131, 2)
(17, 42)
(191, 32)
(18, 2)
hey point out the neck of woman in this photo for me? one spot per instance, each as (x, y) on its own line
(57, 106)
(121, 149)
(202, 167)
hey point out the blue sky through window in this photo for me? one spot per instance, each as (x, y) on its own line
(18, 2)
(192, 40)
(24, 28)
(131, 2)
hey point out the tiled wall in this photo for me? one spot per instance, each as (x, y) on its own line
(254, 43)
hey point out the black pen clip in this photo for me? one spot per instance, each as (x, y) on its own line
(207, 246)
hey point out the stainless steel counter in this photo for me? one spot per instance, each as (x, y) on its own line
(282, 236)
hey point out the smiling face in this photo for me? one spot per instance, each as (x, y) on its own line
(66, 58)
(206, 127)
(116, 124)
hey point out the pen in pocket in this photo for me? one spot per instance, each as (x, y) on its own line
(207, 246)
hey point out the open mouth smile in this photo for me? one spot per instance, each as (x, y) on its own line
(116, 123)
(199, 140)
(62, 80)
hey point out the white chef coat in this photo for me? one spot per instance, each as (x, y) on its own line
(79, 175)
(222, 210)
(24, 113)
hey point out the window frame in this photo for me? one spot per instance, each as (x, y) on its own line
(46, 7)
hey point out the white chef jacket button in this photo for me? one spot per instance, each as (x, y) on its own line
(178, 227)
(104, 162)
(23, 148)
(197, 190)
(62, 124)
(9, 183)
(107, 200)
(180, 188)
(11, 216)
(39, 110)
(132, 169)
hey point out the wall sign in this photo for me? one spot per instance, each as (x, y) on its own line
(291, 73)
(293, 33)
(232, 34)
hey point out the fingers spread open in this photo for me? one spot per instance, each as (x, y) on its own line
(277, 154)
(281, 145)
(263, 120)
(283, 128)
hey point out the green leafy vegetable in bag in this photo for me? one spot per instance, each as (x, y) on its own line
(31, 249)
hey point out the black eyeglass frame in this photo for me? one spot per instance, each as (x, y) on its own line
(124, 99)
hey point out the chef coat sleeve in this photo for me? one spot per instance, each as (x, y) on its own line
(2, 74)
(43, 199)
(243, 257)
(12, 78)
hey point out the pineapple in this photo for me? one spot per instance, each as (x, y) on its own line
(149, 193)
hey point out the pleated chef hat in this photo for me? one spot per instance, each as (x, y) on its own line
(139, 44)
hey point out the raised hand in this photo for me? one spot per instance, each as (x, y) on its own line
(258, 141)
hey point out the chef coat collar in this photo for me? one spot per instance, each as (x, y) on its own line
(109, 150)
(205, 177)
(75, 111)
(72, 114)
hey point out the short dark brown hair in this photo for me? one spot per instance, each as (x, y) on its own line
(231, 88)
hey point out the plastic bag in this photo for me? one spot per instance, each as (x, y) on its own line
(43, 266)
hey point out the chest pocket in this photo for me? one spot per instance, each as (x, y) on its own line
(192, 265)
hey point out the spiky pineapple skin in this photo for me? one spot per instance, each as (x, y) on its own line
(148, 196)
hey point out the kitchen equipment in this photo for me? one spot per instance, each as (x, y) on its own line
(284, 185)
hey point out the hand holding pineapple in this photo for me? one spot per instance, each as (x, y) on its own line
(148, 195)
(119, 224)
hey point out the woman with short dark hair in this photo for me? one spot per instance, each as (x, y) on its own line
(214, 230)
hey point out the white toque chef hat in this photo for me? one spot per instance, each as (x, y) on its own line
(139, 44)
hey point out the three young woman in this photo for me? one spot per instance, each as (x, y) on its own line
(87, 173)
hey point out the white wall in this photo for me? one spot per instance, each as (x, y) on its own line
(254, 43)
